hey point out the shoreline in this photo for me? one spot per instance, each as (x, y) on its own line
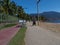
(55, 27)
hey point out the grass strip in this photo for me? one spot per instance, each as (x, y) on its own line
(7, 25)
(19, 37)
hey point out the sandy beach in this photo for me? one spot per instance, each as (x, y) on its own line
(36, 35)
(55, 27)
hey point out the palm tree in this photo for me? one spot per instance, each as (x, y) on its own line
(20, 12)
(1, 9)
(42, 18)
(10, 8)
(13, 8)
(6, 7)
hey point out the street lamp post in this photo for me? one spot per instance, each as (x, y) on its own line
(38, 10)
(38, 13)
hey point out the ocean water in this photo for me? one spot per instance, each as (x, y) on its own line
(54, 21)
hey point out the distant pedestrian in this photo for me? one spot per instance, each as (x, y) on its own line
(34, 22)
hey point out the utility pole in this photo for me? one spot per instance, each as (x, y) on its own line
(38, 10)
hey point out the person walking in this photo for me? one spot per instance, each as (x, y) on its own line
(34, 21)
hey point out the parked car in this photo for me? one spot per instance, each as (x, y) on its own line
(22, 22)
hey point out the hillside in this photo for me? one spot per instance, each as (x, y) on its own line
(50, 14)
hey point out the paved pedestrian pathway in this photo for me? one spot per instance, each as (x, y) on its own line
(36, 35)
(7, 34)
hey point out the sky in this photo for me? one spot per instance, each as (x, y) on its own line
(30, 6)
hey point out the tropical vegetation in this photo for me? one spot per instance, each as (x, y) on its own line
(8, 7)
